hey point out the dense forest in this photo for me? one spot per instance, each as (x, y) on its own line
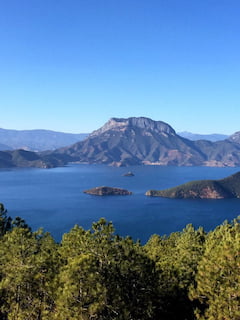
(98, 275)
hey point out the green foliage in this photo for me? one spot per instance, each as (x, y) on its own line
(96, 274)
(176, 258)
(27, 265)
(5, 221)
(217, 287)
(225, 188)
(104, 276)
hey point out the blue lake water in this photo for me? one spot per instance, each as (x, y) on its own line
(54, 199)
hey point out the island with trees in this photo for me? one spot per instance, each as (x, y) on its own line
(108, 191)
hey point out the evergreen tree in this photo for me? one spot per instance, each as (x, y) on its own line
(217, 288)
(97, 275)
(5, 221)
(104, 276)
(176, 257)
(27, 266)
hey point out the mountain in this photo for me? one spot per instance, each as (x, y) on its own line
(134, 141)
(210, 137)
(37, 140)
(137, 141)
(203, 189)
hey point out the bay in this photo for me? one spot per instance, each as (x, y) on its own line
(54, 199)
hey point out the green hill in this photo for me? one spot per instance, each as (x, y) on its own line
(203, 189)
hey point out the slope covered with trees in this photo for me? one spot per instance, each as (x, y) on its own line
(203, 189)
(96, 274)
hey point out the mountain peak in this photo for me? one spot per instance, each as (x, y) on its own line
(117, 124)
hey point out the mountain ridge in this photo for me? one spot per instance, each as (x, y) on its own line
(37, 139)
(142, 141)
(141, 122)
(197, 136)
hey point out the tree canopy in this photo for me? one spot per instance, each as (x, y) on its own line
(97, 274)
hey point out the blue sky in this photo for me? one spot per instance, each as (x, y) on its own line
(70, 65)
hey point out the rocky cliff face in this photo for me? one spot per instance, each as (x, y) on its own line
(120, 124)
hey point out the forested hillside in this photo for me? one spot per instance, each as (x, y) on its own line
(96, 274)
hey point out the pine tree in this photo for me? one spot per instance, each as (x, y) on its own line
(217, 288)
(104, 276)
(27, 267)
(176, 257)
(5, 221)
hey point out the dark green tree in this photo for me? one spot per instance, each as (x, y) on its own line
(217, 287)
(176, 257)
(28, 263)
(104, 276)
(5, 221)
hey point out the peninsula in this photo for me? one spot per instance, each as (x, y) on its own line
(203, 189)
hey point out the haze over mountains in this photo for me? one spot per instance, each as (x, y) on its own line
(210, 137)
(37, 140)
(135, 141)
(41, 140)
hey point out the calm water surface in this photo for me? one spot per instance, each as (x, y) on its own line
(54, 199)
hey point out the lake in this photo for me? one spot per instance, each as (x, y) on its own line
(54, 199)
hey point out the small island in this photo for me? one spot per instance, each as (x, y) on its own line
(203, 189)
(128, 174)
(108, 191)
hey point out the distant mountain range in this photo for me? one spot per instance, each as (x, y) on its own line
(210, 137)
(137, 141)
(41, 140)
(37, 140)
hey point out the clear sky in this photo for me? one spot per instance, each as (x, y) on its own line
(70, 65)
